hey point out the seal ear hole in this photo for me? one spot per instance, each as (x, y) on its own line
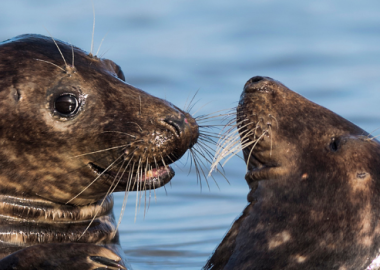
(17, 94)
(66, 104)
(334, 145)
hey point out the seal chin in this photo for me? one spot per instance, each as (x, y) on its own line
(151, 179)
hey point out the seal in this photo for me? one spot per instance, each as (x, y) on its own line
(72, 131)
(314, 178)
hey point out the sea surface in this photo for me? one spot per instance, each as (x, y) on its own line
(328, 51)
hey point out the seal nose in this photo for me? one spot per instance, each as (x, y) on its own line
(184, 127)
(258, 84)
(254, 80)
(178, 124)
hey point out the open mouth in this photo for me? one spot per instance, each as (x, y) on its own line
(151, 179)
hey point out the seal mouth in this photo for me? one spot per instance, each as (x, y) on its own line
(145, 179)
(257, 169)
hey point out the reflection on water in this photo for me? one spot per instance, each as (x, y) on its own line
(325, 50)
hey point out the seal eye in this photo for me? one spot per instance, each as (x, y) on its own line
(66, 104)
(334, 145)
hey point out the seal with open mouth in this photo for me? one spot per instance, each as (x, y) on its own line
(315, 187)
(72, 132)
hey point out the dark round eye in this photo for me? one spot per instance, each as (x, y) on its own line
(66, 104)
(334, 144)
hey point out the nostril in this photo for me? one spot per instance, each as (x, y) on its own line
(259, 84)
(255, 79)
(251, 83)
(177, 124)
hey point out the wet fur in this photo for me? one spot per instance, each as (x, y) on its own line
(315, 183)
(54, 167)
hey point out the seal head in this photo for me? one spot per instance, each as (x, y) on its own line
(72, 131)
(315, 187)
(63, 126)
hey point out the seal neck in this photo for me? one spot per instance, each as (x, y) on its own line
(25, 222)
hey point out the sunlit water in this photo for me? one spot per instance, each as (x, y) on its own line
(327, 51)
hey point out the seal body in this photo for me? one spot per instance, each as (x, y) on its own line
(314, 177)
(71, 133)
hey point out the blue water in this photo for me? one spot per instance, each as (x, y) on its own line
(327, 51)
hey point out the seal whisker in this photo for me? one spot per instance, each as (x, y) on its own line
(230, 140)
(146, 171)
(198, 162)
(190, 106)
(101, 42)
(124, 133)
(104, 150)
(139, 176)
(109, 191)
(373, 137)
(200, 108)
(196, 167)
(168, 156)
(228, 146)
(93, 28)
(143, 187)
(205, 168)
(231, 131)
(125, 199)
(253, 147)
(72, 53)
(238, 148)
(211, 115)
(163, 161)
(224, 150)
(215, 143)
(154, 187)
(127, 189)
(103, 54)
(211, 126)
(205, 135)
(204, 153)
(185, 106)
(64, 60)
(50, 64)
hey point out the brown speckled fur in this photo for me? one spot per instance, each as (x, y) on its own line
(315, 188)
(42, 165)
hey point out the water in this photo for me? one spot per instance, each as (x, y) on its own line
(327, 51)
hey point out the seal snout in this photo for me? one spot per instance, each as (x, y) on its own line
(258, 84)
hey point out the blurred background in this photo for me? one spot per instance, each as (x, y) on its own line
(326, 50)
